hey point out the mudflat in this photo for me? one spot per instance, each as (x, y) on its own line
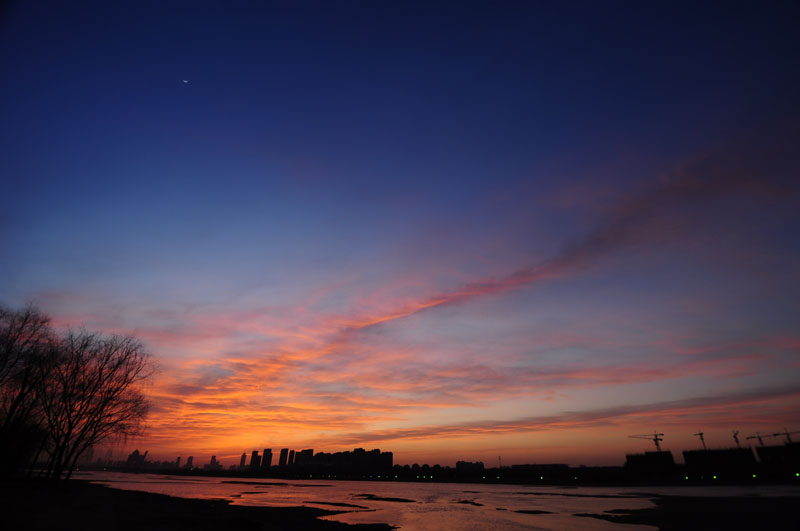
(34, 505)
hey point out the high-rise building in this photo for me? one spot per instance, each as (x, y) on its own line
(304, 457)
(214, 464)
(243, 460)
(178, 462)
(266, 459)
(190, 461)
(284, 455)
(291, 458)
(255, 460)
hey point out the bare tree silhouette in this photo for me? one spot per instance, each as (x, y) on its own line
(92, 392)
(65, 395)
(25, 340)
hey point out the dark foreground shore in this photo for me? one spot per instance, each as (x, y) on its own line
(31, 505)
(695, 513)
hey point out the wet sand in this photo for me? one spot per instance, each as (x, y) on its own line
(32, 505)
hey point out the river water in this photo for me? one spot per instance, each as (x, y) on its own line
(427, 506)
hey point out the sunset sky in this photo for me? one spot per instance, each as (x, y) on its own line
(517, 229)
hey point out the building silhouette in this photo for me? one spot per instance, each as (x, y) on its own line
(290, 462)
(255, 460)
(469, 467)
(213, 465)
(283, 457)
(727, 462)
(243, 460)
(266, 459)
(780, 457)
(358, 462)
(650, 464)
(190, 462)
(304, 457)
(136, 460)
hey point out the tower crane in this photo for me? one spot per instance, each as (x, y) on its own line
(702, 439)
(655, 437)
(759, 437)
(786, 433)
(736, 438)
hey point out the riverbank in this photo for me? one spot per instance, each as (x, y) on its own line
(704, 513)
(33, 505)
(83, 505)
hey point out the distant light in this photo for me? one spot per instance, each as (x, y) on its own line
(715, 477)
(484, 477)
(498, 477)
(395, 477)
(575, 477)
(754, 475)
(541, 477)
(797, 474)
(685, 477)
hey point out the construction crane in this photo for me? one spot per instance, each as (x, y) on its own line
(736, 438)
(786, 433)
(702, 439)
(759, 437)
(655, 437)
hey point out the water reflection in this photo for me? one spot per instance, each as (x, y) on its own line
(417, 506)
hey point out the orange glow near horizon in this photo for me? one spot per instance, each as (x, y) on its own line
(226, 405)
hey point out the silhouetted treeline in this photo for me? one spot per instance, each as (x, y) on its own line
(61, 395)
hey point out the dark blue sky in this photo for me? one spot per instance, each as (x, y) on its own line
(425, 94)
(614, 179)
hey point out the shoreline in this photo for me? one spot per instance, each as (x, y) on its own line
(79, 504)
(536, 481)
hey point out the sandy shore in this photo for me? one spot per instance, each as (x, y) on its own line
(32, 505)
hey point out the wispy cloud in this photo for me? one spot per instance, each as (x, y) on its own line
(755, 167)
(701, 409)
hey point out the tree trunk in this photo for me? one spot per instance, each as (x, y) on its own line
(36, 457)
